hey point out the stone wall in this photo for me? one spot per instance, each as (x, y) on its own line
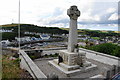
(112, 61)
(27, 64)
(98, 53)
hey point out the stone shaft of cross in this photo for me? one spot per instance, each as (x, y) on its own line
(73, 13)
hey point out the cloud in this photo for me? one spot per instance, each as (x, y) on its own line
(54, 12)
(111, 10)
(113, 27)
(113, 17)
(90, 18)
(57, 11)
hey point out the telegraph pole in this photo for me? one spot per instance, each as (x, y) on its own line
(19, 24)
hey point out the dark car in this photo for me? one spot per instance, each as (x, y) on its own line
(116, 77)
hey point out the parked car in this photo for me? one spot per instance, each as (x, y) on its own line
(116, 76)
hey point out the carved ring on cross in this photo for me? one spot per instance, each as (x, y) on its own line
(73, 12)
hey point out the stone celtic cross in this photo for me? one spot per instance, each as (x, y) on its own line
(73, 13)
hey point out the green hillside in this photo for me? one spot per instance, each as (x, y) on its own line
(51, 30)
(29, 28)
(34, 28)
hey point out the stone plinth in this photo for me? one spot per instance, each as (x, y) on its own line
(65, 66)
(72, 62)
(71, 58)
(71, 70)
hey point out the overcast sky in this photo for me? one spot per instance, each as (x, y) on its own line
(95, 14)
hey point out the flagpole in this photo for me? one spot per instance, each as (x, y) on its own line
(19, 24)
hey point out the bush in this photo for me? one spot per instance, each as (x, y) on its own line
(45, 55)
(107, 48)
(10, 68)
(116, 52)
(51, 55)
(56, 54)
(32, 57)
(17, 61)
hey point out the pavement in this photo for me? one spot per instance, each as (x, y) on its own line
(47, 70)
(102, 59)
(103, 63)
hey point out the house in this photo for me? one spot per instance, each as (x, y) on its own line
(23, 39)
(5, 42)
(44, 36)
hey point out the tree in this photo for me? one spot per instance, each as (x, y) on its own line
(116, 52)
(106, 48)
(10, 36)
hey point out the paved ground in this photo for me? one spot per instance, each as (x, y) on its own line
(47, 69)
(102, 59)
(93, 56)
(103, 63)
